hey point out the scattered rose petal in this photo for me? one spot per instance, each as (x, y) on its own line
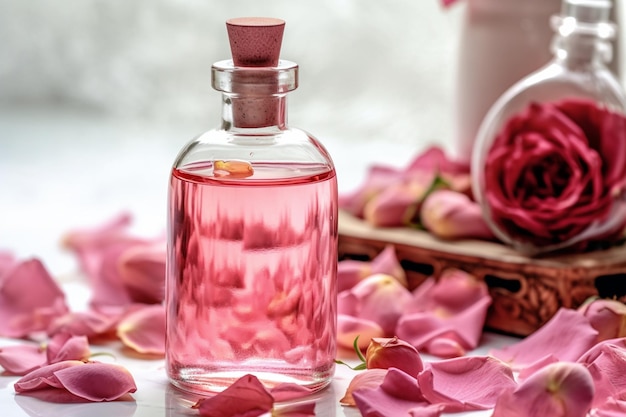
(89, 323)
(566, 336)
(245, 397)
(368, 379)
(385, 401)
(386, 262)
(43, 377)
(64, 346)
(377, 179)
(29, 299)
(379, 298)
(446, 317)
(349, 327)
(22, 359)
(466, 383)
(288, 391)
(350, 272)
(97, 381)
(562, 389)
(611, 408)
(608, 371)
(385, 353)
(142, 270)
(395, 205)
(144, 330)
(608, 317)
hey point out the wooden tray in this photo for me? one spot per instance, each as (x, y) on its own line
(526, 291)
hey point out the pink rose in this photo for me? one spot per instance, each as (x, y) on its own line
(555, 173)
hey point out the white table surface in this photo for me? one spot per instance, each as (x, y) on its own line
(61, 170)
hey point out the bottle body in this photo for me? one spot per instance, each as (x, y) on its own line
(252, 262)
(547, 167)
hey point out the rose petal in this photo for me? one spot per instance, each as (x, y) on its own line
(566, 336)
(561, 389)
(368, 379)
(608, 370)
(96, 381)
(382, 401)
(611, 408)
(349, 327)
(29, 299)
(245, 397)
(306, 409)
(608, 317)
(467, 383)
(144, 330)
(376, 179)
(386, 262)
(7, 261)
(44, 377)
(350, 272)
(63, 347)
(22, 359)
(92, 324)
(142, 270)
(288, 392)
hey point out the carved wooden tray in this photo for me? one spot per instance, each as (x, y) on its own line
(526, 291)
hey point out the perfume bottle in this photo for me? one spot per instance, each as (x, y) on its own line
(549, 164)
(252, 233)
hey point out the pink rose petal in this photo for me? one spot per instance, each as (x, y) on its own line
(29, 299)
(350, 272)
(89, 323)
(368, 379)
(562, 389)
(611, 408)
(43, 377)
(349, 327)
(393, 398)
(306, 409)
(142, 270)
(392, 352)
(22, 359)
(608, 371)
(96, 381)
(467, 383)
(7, 261)
(246, 397)
(386, 262)
(144, 330)
(608, 317)
(566, 336)
(63, 347)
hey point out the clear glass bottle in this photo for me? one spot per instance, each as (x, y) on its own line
(252, 233)
(549, 164)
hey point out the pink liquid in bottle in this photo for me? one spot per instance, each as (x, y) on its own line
(252, 276)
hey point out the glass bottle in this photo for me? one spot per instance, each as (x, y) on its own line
(252, 233)
(549, 164)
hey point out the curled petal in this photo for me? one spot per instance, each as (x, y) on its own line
(388, 353)
(144, 330)
(608, 317)
(245, 397)
(29, 299)
(348, 328)
(43, 377)
(368, 379)
(350, 273)
(96, 381)
(63, 347)
(562, 389)
(467, 383)
(393, 206)
(22, 359)
(608, 370)
(565, 336)
(397, 396)
(377, 179)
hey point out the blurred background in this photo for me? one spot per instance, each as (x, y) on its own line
(98, 96)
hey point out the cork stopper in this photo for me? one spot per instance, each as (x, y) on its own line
(255, 41)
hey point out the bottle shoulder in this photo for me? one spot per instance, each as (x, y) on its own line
(290, 146)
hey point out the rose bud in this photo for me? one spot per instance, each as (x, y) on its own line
(608, 317)
(385, 353)
(451, 215)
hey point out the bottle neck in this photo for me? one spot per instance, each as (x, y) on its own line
(579, 52)
(242, 111)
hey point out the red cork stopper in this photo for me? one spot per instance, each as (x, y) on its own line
(255, 41)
